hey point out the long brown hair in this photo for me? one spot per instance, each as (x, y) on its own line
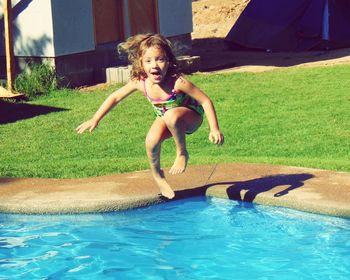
(137, 45)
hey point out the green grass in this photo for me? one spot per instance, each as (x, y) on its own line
(297, 117)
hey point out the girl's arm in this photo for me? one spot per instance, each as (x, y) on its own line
(107, 105)
(187, 87)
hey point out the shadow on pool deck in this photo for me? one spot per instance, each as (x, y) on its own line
(252, 188)
(306, 189)
(256, 186)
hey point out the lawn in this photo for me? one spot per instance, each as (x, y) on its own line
(296, 116)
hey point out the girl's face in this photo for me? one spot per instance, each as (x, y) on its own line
(155, 64)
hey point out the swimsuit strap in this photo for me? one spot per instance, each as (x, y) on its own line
(173, 93)
(144, 88)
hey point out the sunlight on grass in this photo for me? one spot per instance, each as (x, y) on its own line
(297, 117)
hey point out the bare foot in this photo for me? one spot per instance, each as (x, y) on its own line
(165, 188)
(180, 164)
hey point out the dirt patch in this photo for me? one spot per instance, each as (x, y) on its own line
(213, 19)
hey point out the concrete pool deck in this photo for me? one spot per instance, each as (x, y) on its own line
(306, 189)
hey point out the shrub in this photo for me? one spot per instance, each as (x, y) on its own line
(36, 80)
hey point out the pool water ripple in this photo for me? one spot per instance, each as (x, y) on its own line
(188, 239)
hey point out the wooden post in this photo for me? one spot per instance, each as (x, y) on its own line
(9, 44)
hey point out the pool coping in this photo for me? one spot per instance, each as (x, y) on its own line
(306, 189)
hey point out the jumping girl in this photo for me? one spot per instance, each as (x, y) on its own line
(178, 104)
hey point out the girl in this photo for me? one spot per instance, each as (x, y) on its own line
(178, 104)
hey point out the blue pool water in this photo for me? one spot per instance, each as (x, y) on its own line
(188, 239)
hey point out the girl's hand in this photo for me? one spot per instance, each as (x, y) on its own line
(216, 137)
(90, 125)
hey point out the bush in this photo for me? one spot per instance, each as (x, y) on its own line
(36, 80)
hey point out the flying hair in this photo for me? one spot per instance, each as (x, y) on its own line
(136, 46)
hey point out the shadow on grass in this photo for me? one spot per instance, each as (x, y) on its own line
(251, 188)
(12, 112)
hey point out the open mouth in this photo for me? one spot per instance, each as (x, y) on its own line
(157, 75)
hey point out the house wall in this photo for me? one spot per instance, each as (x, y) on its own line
(73, 27)
(49, 28)
(62, 32)
(32, 28)
(127, 30)
(175, 17)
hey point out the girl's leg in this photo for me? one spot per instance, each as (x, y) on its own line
(156, 135)
(179, 121)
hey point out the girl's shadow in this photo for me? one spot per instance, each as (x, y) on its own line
(252, 188)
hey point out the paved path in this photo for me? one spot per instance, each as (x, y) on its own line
(311, 190)
(217, 58)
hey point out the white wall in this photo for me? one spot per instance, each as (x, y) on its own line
(32, 28)
(175, 17)
(49, 28)
(73, 26)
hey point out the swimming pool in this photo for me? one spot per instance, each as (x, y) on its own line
(198, 238)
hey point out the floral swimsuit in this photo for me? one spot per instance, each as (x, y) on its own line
(175, 99)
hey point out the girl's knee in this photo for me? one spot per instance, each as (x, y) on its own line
(182, 119)
(172, 118)
(152, 142)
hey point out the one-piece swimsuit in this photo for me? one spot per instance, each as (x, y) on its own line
(175, 99)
